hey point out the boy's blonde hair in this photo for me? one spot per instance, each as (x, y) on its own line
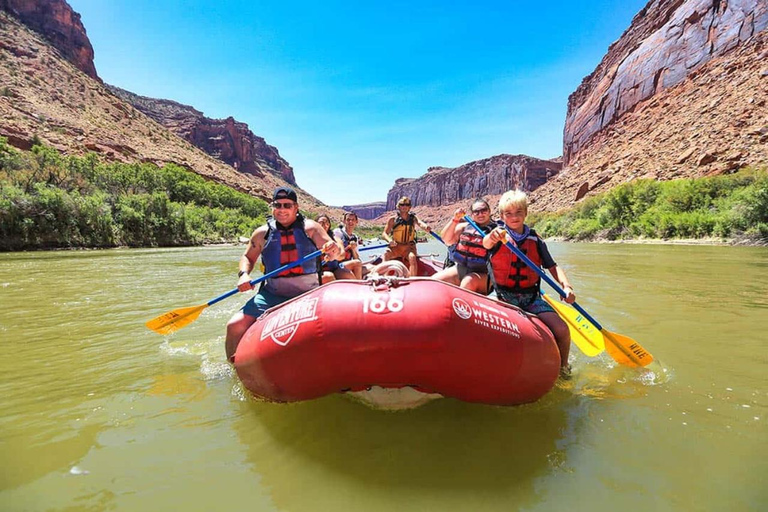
(513, 198)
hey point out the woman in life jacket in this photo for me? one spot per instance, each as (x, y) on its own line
(400, 232)
(470, 270)
(349, 241)
(517, 284)
(333, 268)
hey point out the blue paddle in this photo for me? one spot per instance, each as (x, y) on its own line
(623, 349)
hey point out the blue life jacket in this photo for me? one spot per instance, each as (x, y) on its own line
(284, 245)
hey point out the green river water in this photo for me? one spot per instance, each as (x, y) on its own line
(99, 413)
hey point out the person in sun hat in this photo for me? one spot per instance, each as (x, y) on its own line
(286, 237)
(400, 232)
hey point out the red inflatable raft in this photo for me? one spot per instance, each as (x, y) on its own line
(394, 333)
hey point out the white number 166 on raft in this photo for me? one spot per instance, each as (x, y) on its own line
(382, 303)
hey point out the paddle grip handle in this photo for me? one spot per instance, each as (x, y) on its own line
(541, 273)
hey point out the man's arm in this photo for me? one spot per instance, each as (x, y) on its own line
(388, 230)
(423, 225)
(331, 248)
(451, 232)
(249, 257)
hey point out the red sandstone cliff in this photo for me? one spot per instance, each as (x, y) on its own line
(666, 42)
(491, 176)
(45, 96)
(683, 93)
(226, 139)
(367, 211)
(60, 25)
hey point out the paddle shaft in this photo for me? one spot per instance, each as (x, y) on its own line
(285, 267)
(437, 236)
(256, 281)
(551, 282)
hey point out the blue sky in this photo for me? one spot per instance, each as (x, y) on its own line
(357, 94)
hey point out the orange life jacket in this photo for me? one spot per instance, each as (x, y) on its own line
(510, 273)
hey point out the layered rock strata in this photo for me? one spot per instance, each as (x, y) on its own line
(46, 97)
(60, 25)
(367, 211)
(715, 121)
(667, 41)
(225, 139)
(495, 175)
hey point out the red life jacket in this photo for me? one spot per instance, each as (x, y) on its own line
(510, 273)
(469, 250)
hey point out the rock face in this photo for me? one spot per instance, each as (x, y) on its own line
(667, 41)
(491, 176)
(715, 120)
(367, 211)
(225, 139)
(43, 95)
(60, 25)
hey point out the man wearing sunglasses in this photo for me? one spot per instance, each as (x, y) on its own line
(287, 237)
(471, 270)
(400, 232)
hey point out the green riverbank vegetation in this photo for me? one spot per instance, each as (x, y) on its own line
(732, 208)
(50, 201)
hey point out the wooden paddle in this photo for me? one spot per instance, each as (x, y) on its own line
(623, 349)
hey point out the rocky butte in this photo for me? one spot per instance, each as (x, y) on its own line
(50, 91)
(491, 176)
(226, 139)
(56, 20)
(682, 93)
(367, 210)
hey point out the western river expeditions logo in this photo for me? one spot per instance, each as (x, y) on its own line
(486, 316)
(283, 325)
(462, 308)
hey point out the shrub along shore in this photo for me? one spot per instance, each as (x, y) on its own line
(730, 209)
(52, 201)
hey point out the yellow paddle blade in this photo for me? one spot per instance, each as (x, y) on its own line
(624, 350)
(585, 335)
(176, 319)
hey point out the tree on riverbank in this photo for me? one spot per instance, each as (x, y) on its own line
(729, 206)
(48, 201)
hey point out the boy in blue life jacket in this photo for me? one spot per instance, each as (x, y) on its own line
(516, 283)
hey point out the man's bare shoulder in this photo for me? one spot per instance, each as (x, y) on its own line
(259, 233)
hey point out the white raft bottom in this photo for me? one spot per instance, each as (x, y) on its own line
(393, 399)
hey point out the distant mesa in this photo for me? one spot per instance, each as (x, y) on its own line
(368, 211)
(490, 176)
(225, 139)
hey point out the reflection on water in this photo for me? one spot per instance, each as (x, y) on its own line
(100, 413)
